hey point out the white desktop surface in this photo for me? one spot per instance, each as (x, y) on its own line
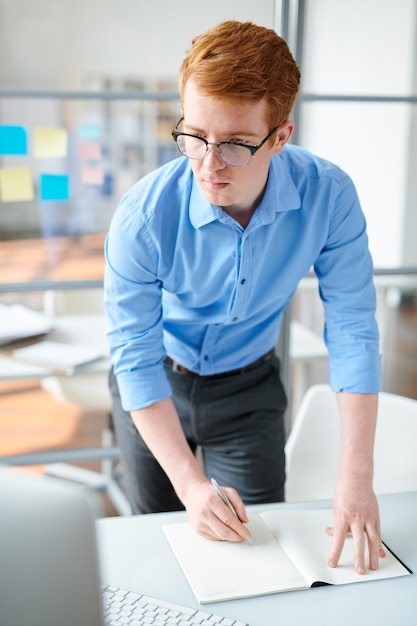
(85, 330)
(134, 554)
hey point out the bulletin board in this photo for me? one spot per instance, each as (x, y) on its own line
(66, 160)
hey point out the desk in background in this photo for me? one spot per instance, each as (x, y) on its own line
(134, 554)
(85, 330)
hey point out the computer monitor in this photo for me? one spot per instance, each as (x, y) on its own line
(49, 570)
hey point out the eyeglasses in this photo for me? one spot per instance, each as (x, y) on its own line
(230, 153)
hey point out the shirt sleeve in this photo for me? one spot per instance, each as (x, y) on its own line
(345, 272)
(133, 305)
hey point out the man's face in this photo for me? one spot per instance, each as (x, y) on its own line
(237, 190)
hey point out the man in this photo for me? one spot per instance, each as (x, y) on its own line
(203, 256)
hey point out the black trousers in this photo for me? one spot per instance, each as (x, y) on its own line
(237, 421)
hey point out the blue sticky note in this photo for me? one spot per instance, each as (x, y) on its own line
(89, 132)
(13, 140)
(54, 187)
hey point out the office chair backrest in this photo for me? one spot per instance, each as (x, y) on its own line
(90, 392)
(313, 446)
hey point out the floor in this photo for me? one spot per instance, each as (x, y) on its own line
(400, 359)
(30, 420)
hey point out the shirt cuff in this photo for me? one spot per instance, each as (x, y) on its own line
(356, 374)
(141, 388)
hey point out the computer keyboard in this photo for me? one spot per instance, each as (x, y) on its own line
(122, 607)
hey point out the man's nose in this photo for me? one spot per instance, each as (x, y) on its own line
(212, 158)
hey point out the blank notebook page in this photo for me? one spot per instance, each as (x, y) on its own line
(221, 570)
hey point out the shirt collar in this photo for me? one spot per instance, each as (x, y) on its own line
(281, 194)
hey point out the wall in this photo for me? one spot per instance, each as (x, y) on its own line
(410, 229)
(95, 45)
(350, 47)
(367, 48)
(64, 44)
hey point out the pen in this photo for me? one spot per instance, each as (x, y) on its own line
(226, 500)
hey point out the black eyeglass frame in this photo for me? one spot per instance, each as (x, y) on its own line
(252, 149)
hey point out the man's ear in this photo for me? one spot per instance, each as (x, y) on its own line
(283, 135)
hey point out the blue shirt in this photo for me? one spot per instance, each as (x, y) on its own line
(184, 279)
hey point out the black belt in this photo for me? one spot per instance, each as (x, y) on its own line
(176, 367)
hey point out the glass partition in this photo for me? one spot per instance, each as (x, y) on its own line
(66, 160)
(358, 108)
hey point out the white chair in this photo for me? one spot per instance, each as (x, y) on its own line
(90, 391)
(313, 446)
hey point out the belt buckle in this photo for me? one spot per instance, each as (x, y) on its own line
(176, 367)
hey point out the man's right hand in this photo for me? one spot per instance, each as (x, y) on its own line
(211, 517)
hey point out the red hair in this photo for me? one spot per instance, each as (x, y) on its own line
(239, 60)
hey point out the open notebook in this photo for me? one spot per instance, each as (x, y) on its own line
(289, 552)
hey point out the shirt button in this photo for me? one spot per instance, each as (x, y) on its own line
(235, 319)
(243, 281)
(206, 358)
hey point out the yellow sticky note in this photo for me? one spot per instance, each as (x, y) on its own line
(16, 184)
(50, 142)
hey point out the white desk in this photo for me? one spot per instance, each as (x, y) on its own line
(305, 346)
(134, 554)
(88, 330)
(85, 330)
